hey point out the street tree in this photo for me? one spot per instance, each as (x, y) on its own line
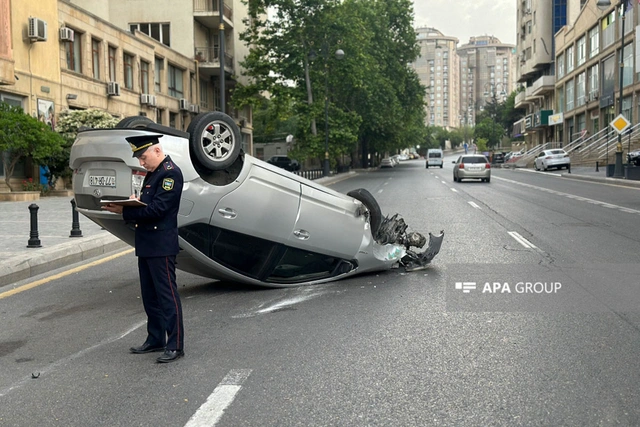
(23, 136)
(68, 124)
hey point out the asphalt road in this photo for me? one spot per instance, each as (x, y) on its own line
(389, 349)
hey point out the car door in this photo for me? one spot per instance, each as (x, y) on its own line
(328, 223)
(265, 205)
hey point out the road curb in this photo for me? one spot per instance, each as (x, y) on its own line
(26, 265)
(616, 181)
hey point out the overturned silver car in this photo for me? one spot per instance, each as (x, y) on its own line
(242, 219)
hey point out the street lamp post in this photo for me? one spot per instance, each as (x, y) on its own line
(602, 5)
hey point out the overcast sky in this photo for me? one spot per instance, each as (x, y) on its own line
(468, 18)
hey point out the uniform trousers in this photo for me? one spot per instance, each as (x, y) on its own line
(161, 301)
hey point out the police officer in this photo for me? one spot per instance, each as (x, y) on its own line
(156, 245)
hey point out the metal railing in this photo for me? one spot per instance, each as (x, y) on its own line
(310, 174)
(523, 160)
(208, 55)
(212, 6)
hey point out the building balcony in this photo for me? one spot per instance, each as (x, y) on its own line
(207, 12)
(543, 85)
(519, 101)
(209, 61)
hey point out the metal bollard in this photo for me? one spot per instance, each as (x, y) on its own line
(75, 222)
(34, 241)
(597, 167)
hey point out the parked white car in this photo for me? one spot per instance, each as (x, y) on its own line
(555, 158)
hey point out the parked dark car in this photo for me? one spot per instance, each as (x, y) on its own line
(634, 157)
(284, 162)
(497, 158)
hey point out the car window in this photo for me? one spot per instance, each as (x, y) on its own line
(297, 265)
(474, 159)
(557, 151)
(434, 155)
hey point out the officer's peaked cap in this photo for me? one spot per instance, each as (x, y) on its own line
(140, 143)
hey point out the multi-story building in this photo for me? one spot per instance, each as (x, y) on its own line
(194, 28)
(537, 22)
(66, 57)
(487, 72)
(437, 68)
(589, 73)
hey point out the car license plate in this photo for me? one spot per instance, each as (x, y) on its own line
(474, 168)
(102, 181)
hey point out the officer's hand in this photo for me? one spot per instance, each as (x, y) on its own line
(113, 208)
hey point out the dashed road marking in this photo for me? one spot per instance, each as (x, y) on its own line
(223, 395)
(444, 182)
(380, 191)
(524, 242)
(474, 205)
(454, 190)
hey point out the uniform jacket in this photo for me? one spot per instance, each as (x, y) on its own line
(157, 223)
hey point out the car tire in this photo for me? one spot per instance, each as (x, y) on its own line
(488, 180)
(440, 166)
(427, 166)
(134, 122)
(223, 143)
(375, 213)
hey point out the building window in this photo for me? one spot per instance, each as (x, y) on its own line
(159, 114)
(74, 53)
(155, 30)
(560, 101)
(174, 80)
(580, 89)
(173, 117)
(560, 66)
(581, 47)
(593, 80)
(112, 63)
(608, 28)
(594, 41)
(569, 95)
(204, 95)
(627, 105)
(128, 71)
(570, 59)
(95, 58)
(627, 69)
(159, 66)
(144, 77)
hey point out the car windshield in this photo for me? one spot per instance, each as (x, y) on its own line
(556, 152)
(434, 154)
(473, 159)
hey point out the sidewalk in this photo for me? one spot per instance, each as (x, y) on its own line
(55, 221)
(590, 174)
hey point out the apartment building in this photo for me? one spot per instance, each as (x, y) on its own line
(438, 69)
(487, 72)
(537, 23)
(588, 65)
(194, 29)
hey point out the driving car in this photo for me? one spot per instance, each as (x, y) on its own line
(386, 163)
(498, 158)
(242, 219)
(556, 158)
(284, 162)
(434, 157)
(474, 166)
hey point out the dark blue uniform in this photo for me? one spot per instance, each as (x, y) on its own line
(156, 246)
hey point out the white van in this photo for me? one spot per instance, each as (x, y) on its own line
(435, 157)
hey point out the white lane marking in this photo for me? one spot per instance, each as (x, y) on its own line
(524, 242)
(474, 205)
(574, 197)
(542, 172)
(454, 190)
(443, 182)
(380, 191)
(223, 395)
(436, 177)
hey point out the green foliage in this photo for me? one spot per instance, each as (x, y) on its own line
(68, 124)
(481, 145)
(373, 96)
(24, 136)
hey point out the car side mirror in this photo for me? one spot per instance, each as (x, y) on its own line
(453, 161)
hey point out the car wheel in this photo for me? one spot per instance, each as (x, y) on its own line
(544, 167)
(375, 213)
(427, 166)
(440, 166)
(535, 166)
(214, 140)
(134, 122)
(488, 180)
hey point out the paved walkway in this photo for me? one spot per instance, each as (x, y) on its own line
(55, 222)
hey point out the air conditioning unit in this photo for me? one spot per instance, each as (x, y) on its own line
(193, 108)
(66, 34)
(184, 105)
(113, 89)
(152, 101)
(37, 31)
(145, 99)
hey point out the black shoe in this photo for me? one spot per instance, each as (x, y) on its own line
(145, 348)
(170, 356)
